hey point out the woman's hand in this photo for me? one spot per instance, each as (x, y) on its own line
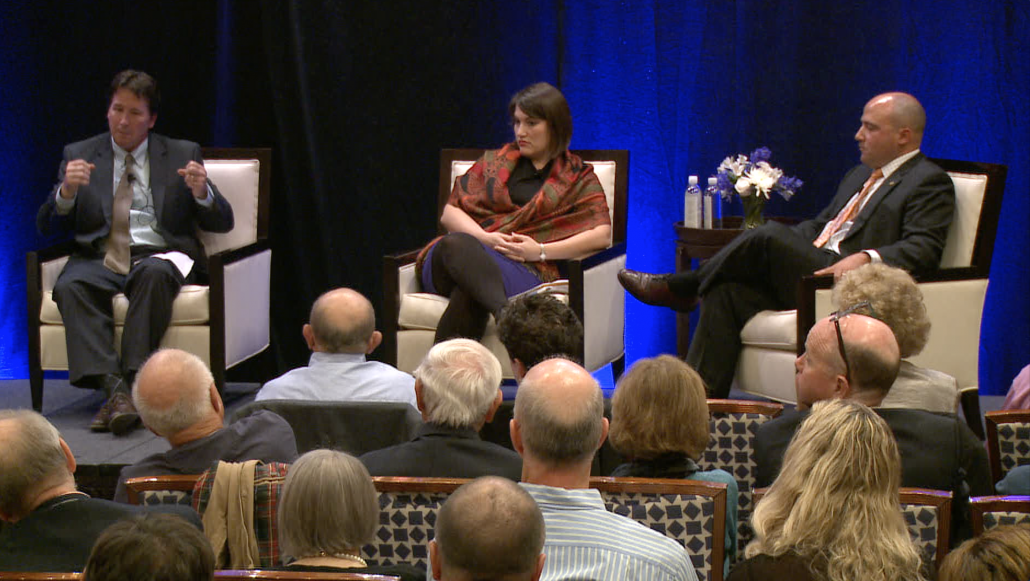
(519, 247)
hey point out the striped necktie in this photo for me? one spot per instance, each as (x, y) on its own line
(849, 211)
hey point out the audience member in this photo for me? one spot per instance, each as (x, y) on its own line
(177, 399)
(154, 547)
(558, 427)
(457, 388)
(896, 300)
(999, 554)
(327, 512)
(537, 327)
(660, 423)
(1018, 397)
(1016, 482)
(49, 524)
(833, 512)
(134, 201)
(340, 332)
(489, 528)
(937, 450)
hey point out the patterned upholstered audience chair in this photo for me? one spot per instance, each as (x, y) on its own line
(247, 575)
(733, 426)
(407, 518)
(991, 511)
(354, 427)
(268, 481)
(954, 298)
(1008, 440)
(928, 516)
(165, 489)
(690, 511)
(225, 322)
(590, 287)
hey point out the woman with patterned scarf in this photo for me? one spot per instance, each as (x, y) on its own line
(515, 210)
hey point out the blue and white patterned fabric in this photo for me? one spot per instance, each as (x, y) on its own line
(585, 541)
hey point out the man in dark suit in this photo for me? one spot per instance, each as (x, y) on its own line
(49, 525)
(133, 201)
(894, 208)
(457, 387)
(937, 450)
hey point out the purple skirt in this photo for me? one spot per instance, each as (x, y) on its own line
(516, 276)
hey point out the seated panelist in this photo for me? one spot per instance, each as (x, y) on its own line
(133, 201)
(515, 210)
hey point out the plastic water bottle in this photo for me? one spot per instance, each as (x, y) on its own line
(712, 205)
(692, 204)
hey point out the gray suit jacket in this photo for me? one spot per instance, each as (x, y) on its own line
(178, 214)
(906, 220)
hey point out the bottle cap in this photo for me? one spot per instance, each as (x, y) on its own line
(712, 181)
(692, 181)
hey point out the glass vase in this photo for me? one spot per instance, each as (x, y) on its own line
(753, 206)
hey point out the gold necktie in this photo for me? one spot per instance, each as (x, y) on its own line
(849, 211)
(117, 258)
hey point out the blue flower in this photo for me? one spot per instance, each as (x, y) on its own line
(761, 154)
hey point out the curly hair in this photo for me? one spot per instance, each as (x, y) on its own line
(999, 554)
(659, 407)
(539, 326)
(835, 502)
(895, 298)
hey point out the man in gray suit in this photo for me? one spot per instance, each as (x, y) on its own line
(133, 201)
(895, 208)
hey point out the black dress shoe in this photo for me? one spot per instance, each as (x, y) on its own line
(653, 289)
(102, 418)
(124, 418)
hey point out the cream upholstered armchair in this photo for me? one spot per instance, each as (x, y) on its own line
(954, 297)
(589, 285)
(223, 323)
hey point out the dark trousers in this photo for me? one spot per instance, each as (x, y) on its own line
(83, 294)
(759, 270)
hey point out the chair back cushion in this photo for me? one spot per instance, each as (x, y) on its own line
(605, 171)
(969, 196)
(268, 481)
(238, 181)
(1008, 440)
(732, 428)
(165, 497)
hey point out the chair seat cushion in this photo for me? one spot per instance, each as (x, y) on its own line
(771, 330)
(189, 308)
(422, 311)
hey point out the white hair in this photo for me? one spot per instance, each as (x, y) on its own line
(460, 379)
(188, 376)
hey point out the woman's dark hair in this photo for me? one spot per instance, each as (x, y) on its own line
(543, 101)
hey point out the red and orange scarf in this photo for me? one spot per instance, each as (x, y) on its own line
(571, 201)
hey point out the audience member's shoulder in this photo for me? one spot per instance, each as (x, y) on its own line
(788, 420)
(761, 567)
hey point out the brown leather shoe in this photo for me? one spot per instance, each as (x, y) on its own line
(124, 418)
(653, 289)
(103, 417)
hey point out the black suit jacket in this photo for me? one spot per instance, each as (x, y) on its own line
(445, 452)
(937, 451)
(906, 220)
(59, 534)
(178, 213)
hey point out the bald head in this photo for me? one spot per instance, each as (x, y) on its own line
(560, 411)
(872, 354)
(342, 321)
(33, 459)
(489, 528)
(174, 390)
(905, 111)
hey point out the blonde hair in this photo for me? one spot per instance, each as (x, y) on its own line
(659, 407)
(835, 502)
(999, 554)
(895, 298)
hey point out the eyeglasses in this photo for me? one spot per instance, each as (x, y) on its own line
(836, 317)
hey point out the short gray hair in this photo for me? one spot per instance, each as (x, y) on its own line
(187, 376)
(327, 504)
(490, 528)
(31, 458)
(558, 436)
(347, 331)
(460, 379)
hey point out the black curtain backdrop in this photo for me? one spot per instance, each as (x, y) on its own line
(357, 98)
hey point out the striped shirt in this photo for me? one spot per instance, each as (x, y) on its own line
(585, 541)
